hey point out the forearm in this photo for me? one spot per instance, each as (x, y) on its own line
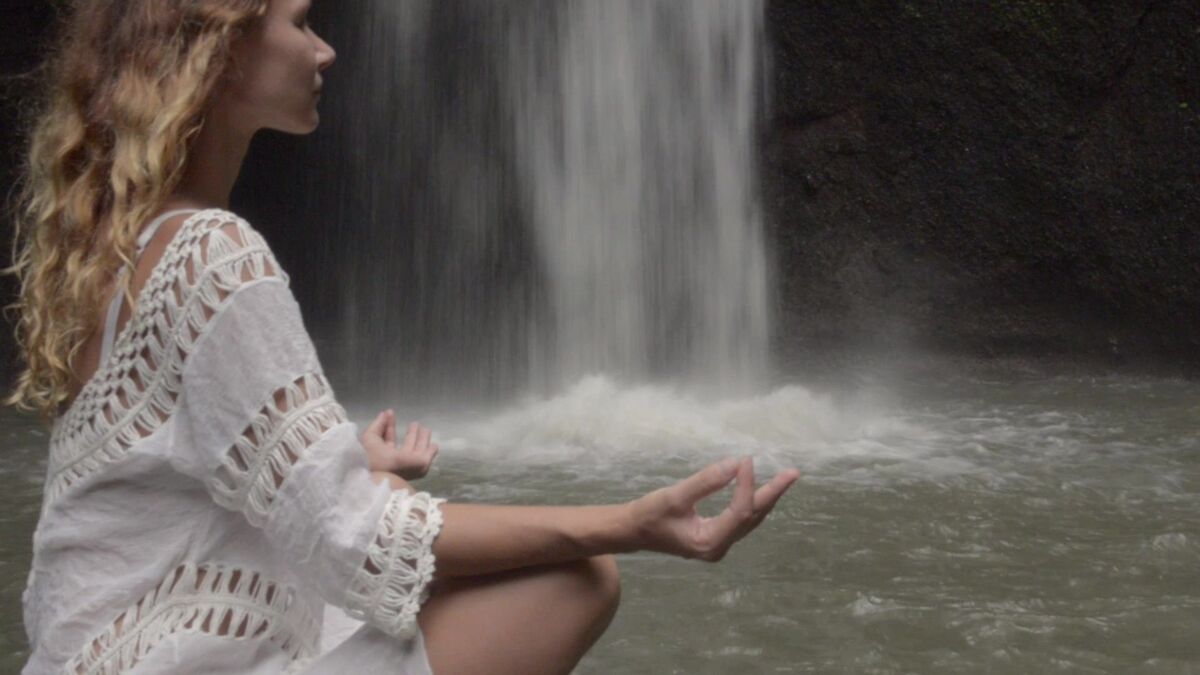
(481, 539)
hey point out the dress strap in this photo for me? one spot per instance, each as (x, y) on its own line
(148, 233)
(114, 306)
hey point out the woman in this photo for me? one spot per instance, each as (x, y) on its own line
(206, 499)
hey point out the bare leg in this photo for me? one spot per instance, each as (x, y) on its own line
(532, 621)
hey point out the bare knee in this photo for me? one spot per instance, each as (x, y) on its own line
(608, 575)
(531, 620)
(602, 582)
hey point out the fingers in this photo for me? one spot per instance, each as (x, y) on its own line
(390, 430)
(410, 437)
(720, 532)
(377, 426)
(707, 481)
(747, 509)
(743, 493)
(725, 528)
(767, 495)
(418, 452)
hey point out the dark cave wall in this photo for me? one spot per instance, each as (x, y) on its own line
(25, 26)
(991, 177)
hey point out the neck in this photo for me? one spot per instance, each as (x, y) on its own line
(213, 166)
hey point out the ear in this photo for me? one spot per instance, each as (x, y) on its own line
(235, 69)
(241, 51)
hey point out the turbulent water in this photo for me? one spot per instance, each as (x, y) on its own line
(962, 519)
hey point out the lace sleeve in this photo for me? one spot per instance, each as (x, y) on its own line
(388, 590)
(259, 424)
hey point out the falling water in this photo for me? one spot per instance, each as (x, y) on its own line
(553, 189)
(634, 123)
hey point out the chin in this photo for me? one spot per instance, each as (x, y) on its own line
(302, 127)
(313, 122)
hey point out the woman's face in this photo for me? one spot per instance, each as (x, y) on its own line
(275, 81)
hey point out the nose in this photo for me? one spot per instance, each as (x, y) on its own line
(325, 54)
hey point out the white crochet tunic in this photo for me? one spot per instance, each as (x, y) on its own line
(206, 496)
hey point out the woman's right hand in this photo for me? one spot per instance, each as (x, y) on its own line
(666, 520)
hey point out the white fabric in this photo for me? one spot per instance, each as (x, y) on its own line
(114, 306)
(206, 496)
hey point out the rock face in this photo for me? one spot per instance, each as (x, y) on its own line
(26, 23)
(1003, 176)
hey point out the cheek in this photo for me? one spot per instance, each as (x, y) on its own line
(275, 79)
(276, 59)
(270, 78)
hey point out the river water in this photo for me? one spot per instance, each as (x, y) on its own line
(959, 518)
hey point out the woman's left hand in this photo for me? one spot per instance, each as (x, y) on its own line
(409, 461)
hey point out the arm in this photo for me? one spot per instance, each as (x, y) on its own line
(479, 539)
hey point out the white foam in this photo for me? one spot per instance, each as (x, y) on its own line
(598, 419)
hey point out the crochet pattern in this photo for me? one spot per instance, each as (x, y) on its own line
(135, 391)
(209, 599)
(295, 418)
(388, 591)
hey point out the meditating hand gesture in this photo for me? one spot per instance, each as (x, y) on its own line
(666, 520)
(411, 460)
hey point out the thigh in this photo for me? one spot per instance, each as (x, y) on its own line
(369, 651)
(529, 621)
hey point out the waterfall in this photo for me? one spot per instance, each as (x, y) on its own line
(539, 191)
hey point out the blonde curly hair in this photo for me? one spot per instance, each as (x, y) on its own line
(126, 91)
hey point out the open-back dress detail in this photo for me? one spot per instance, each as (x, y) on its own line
(206, 498)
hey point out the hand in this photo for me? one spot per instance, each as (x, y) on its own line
(411, 461)
(666, 520)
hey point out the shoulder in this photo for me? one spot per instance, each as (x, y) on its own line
(218, 225)
(216, 242)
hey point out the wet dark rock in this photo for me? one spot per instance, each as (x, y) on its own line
(25, 26)
(1000, 177)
